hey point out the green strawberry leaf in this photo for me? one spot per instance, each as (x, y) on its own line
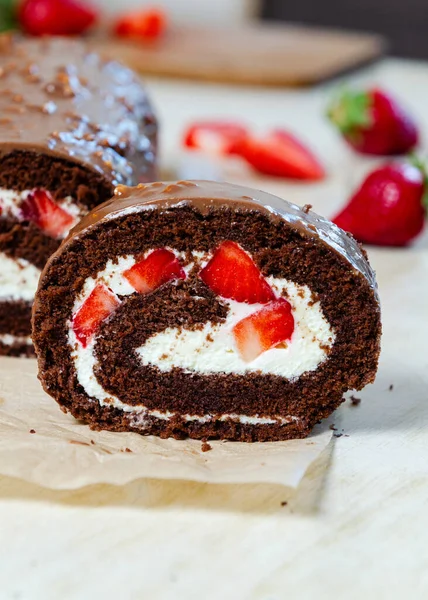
(417, 162)
(350, 111)
(8, 18)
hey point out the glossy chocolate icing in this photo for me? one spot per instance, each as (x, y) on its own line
(206, 195)
(60, 99)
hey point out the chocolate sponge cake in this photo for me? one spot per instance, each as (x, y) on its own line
(205, 310)
(72, 126)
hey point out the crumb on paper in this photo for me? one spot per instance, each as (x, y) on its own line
(32, 431)
(92, 442)
(391, 387)
(206, 447)
(355, 401)
(333, 427)
(78, 443)
(128, 450)
(284, 503)
(337, 434)
(307, 208)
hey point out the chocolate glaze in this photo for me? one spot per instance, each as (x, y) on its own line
(204, 195)
(60, 99)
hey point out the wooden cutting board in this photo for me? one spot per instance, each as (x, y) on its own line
(270, 54)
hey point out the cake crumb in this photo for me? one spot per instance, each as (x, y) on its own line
(32, 431)
(281, 345)
(128, 450)
(307, 208)
(355, 401)
(92, 442)
(391, 387)
(209, 337)
(337, 434)
(324, 348)
(78, 443)
(206, 447)
(284, 503)
(333, 427)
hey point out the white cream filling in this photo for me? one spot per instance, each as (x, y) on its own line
(210, 349)
(85, 363)
(8, 340)
(18, 279)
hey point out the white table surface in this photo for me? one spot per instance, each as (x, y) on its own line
(357, 526)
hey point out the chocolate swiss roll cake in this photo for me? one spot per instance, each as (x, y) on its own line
(205, 310)
(72, 126)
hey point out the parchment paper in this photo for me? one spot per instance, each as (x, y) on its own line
(41, 444)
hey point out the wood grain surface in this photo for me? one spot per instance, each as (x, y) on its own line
(273, 55)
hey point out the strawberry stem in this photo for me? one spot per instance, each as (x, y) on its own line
(420, 164)
(8, 19)
(350, 110)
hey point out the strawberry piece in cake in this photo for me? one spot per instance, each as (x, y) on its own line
(156, 269)
(40, 208)
(232, 273)
(271, 325)
(98, 306)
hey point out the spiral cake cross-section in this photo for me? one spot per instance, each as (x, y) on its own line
(205, 310)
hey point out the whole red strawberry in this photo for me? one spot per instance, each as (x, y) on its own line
(373, 122)
(388, 208)
(56, 17)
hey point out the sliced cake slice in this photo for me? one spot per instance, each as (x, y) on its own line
(206, 310)
(73, 125)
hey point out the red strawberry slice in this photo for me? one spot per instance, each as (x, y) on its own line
(100, 303)
(215, 137)
(40, 208)
(156, 269)
(232, 273)
(56, 17)
(146, 24)
(281, 154)
(271, 325)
